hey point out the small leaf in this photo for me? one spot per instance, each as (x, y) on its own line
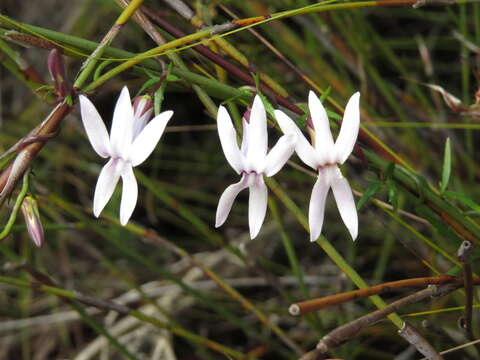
(372, 189)
(268, 106)
(334, 115)
(464, 199)
(392, 194)
(454, 271)
(325, 93)
(150, 82)
(437, 223)
(422, 185)
(387, 175)
(158, 96)
(447, 166)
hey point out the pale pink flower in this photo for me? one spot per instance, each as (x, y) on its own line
(251, 161)
(132, 139)
(325, 156)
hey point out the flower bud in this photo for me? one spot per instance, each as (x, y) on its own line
(32, 220)
(311, 130)
(246, 115)
(56, 67)
(142, 104)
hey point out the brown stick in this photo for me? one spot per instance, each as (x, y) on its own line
(337, 299)
(15, 170)
(409, 333)
(347, 331)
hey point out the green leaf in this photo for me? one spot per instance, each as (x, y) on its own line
(159, 94)
(148, 83)
(437, 223)
(268, 105)
(392, 194)
(387, 175)
(447, 166)
(325, 93)
(372, 189)
(464, 199)
(333, 115)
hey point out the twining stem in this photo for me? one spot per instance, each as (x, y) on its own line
(15, 170)
(89, 65)
(157, 51)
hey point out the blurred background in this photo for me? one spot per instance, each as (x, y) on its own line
(199, 284)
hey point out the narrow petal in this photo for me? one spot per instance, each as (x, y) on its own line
(226, 200)
(345, 202)
(141, 121)
(316, 210)
(304, 150)
(245, 136)
(146, 141)
(106, 183)
(129, 194)
(257, 136)
(228, 139)
(323, 135)
(94, 127)
(121, 133)
(257, 205)
(349, 130)
(279, 154)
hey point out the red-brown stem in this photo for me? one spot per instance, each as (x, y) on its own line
(337, 299)
(247, 78)
(51, 125)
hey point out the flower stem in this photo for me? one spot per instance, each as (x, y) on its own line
(89, 65)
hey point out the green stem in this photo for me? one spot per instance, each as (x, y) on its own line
(89, 65)
(18, 203)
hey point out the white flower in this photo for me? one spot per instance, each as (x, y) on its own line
(131, 141)
(251, 161)
(324, 156)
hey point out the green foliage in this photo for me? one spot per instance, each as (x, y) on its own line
(182, 286)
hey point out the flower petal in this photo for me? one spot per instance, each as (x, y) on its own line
(228, 139)
(140, 122)
(121, 133)
(279, 154)
(245, 136)
(304, 150)
(129, 194)
(226, 200)
(345, 202)
(257, 205)
(349, 130)
(257, 136)
(94, 127)
(316, 209)
(146, 141)
(323, 135)
(107, 180)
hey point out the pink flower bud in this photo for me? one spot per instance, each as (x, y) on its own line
(32, 220)
(56, 67)
(246, 115)
(142, 104)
